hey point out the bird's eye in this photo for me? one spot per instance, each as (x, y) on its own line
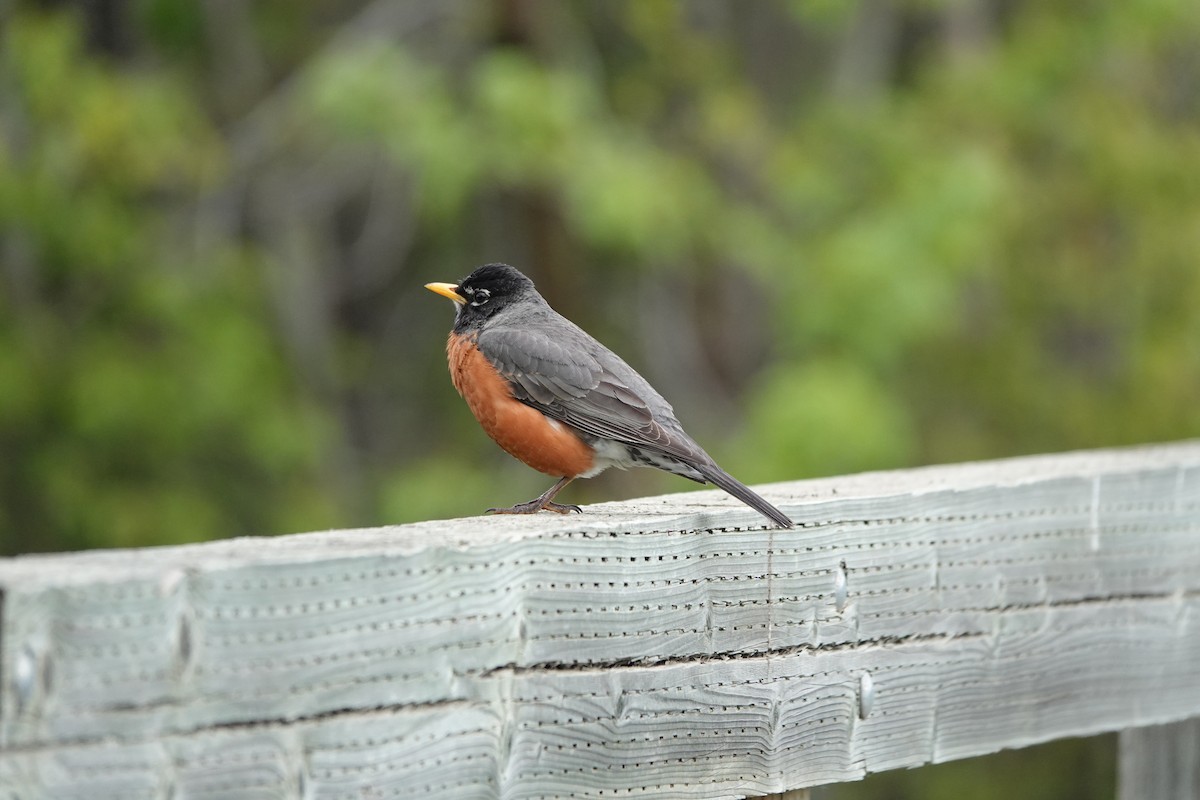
(480, 296)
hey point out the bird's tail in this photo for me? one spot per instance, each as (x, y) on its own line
(724, 480)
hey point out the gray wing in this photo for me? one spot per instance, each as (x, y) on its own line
(567, 375)
(553, 366)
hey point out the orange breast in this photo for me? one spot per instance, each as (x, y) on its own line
(523, 432)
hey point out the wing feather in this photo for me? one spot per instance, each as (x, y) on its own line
(573, 378)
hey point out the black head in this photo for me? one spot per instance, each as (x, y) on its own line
(484, 293)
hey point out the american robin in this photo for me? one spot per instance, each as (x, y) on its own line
(560, 401)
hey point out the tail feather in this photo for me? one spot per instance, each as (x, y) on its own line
(730, 484)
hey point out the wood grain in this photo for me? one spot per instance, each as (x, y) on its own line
(666, 647)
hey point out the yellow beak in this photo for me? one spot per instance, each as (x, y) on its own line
(446, 290)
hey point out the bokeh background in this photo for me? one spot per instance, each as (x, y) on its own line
(838, 234)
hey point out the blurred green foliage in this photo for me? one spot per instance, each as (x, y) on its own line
(837, 235)
(142, 399)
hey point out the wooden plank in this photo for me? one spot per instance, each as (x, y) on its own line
(1160, 762)
(987, 605)
(690, 729)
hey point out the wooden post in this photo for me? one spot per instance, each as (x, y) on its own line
(1160, 762)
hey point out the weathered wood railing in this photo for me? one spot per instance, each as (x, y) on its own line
(669, 647)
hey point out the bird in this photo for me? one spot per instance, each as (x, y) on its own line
(555, 398)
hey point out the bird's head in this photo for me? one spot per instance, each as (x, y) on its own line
(485, 292)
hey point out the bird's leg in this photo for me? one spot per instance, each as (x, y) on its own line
(542, 501)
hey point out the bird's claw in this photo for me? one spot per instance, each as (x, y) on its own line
(534, 506)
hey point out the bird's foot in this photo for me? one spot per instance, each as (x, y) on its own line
(536, 505)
